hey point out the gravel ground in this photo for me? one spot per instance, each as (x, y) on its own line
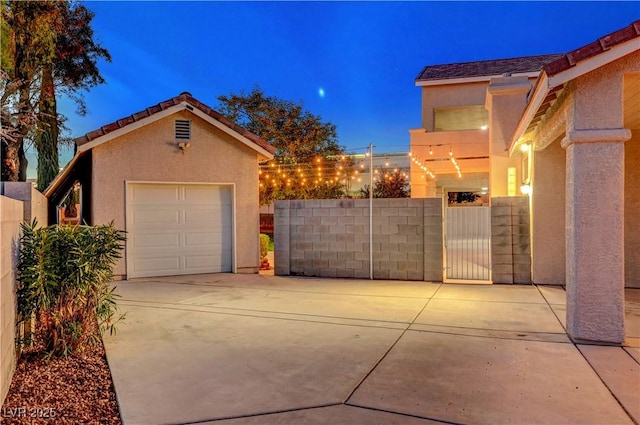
(73, 390)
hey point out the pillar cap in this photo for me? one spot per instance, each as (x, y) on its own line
(609, 135)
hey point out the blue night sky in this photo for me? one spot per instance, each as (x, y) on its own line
(352, 63)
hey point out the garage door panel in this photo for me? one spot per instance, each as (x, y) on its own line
(213, 195)
(179, 229)
(215, 240)
(154, 195)
(156, 266)
(152, 240)
(154, 217)
(193, 262)
(206, 217)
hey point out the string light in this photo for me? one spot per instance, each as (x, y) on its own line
(338, 169)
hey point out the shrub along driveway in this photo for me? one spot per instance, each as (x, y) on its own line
(249, 349)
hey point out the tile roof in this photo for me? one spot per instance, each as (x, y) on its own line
(592, 49)
(182, 97)
(485, 67)
(564, 63)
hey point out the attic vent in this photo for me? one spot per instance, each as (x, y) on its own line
(183, 129)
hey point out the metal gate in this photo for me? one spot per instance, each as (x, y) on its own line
(468, 244)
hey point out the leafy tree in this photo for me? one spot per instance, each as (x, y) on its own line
(299, 138)
(50, 51)
(389, 184)
(24, 42)
(463, 197)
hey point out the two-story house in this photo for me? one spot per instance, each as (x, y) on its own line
(563, 130)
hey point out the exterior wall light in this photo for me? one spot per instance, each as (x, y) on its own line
(525, 147)
(525, 189)
(183, 146)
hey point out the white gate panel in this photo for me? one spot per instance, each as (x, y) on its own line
(468, 243)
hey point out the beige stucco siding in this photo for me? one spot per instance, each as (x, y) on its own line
(150, 154)
(590, 102)
(597, 105)
(548, 215)
(465, 143)
(632, 210)
(599, 95)
(448, 96)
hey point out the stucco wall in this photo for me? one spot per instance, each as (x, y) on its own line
(11, 215)
(597, 105)
(450, 95)
(150, 154)
(548, 204)
(598, 95)
(465, 143)
(34, 202)
(506, 100)
(632, 210)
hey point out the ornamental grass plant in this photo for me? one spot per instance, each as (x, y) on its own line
(64, 282)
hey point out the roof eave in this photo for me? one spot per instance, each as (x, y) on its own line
(131, 127)
(594, 62)
(184, 105)
(546, 83)
(476, 79)
(62, 175)
(245, 140)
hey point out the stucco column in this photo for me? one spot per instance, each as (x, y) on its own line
(506, 99)
(594, 234)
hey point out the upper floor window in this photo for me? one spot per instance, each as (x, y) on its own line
(471, 117)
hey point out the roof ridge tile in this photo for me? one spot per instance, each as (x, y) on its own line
(166, 104)
(592, 49)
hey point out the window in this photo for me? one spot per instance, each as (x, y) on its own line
(183, 129)
(70, 209)
(472, 117)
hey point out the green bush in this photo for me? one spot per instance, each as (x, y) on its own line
(264, 245)
(64, 275)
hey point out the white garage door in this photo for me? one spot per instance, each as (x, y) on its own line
(178, 229)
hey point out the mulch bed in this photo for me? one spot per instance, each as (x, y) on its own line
(73, 390)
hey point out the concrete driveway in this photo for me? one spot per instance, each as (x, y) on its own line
(250, 349)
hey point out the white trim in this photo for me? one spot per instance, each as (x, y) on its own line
(130, 127)
(170, 111)
(595, 62)
(583, 67)
(478, 79)
(541, 90)
(61, 175)
(232, 133)
(234, 253)
(129, 183)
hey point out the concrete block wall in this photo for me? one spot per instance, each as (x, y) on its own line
(20, 202)
(330, 238)
(433, 239)
(398, 239)
(510, 240)
(11, 216)
(281, 242)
